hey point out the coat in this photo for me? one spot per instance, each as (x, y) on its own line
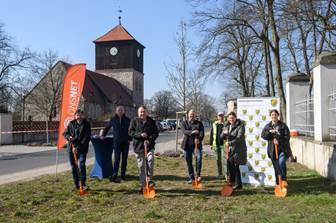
(215, 134)
(188, 137)
(135, 130)
(81, 134)
(236, 140)
(120, 129)
(283, 137)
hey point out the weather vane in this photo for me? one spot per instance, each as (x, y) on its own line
(119, 11)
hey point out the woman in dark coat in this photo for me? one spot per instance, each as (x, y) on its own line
(277, 133)
(234, 134)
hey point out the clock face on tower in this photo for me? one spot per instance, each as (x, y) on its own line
(113, 51)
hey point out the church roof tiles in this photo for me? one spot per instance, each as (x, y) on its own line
(115, 34)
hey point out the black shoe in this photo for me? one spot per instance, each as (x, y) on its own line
(123, 178)
(151, 183)
(237, 187)
(115, 180)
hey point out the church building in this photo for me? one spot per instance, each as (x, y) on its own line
(118, 79)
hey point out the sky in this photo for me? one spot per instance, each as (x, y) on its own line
(70, 26)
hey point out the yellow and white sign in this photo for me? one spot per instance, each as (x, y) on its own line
(255, 112)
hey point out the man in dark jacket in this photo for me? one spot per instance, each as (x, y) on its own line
(120, 124)
(78, 135)
(143, 130)
(234, 134)
(217, 143)
(277, 133)
(193, 133)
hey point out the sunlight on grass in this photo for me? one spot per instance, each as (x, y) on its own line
(48, 200)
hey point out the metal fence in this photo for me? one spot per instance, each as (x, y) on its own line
(332, 114)
(304, 116)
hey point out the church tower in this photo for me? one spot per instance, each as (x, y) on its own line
(120, 56)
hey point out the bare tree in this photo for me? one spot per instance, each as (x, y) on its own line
(12, 61)
(178, 71)
(196, 83)
(207, 109)
(164, 104)
(46, 95)
(229, 51)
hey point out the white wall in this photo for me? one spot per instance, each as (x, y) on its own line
(315, 155)
(324, 83)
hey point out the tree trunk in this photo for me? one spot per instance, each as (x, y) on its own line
(267, 75)
(276, 54)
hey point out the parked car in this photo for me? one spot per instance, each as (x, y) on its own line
(171, 123)
(165, 126)
(159, 126)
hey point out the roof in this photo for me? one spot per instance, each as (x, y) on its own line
(115, 34)
(99, 87)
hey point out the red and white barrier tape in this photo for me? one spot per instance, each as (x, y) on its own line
(40, 131)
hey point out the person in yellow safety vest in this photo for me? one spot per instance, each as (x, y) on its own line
(217, 143)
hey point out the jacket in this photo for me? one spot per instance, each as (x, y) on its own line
(215, 134)
(120, 129)
(236, 139)
(81, 134)
(135, 130)
(189, 138)
(282, 135)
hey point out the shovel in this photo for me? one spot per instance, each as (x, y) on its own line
(279, 190)
(227, 187)
(148, 192)
(195, 183)
(82, 191)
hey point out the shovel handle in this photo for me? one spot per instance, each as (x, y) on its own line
(227, 151)
(76, 161)
(277, 158)
(145, 145)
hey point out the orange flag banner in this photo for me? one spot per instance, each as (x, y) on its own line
(73, 84)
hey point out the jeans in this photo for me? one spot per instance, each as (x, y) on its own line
(120, 149)
(188, 154)
(142, 165)
(282, 167)
(81, 158)
(234, 171)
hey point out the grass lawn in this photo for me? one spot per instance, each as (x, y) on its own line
(311, 199)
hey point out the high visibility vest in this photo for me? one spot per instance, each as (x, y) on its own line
(214, 134)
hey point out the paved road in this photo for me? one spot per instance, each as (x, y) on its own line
(28, 161)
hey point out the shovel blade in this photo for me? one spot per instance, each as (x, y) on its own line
(196, 184)
(82, 192)
(149, 192)
(280, 191)
(226, 190)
